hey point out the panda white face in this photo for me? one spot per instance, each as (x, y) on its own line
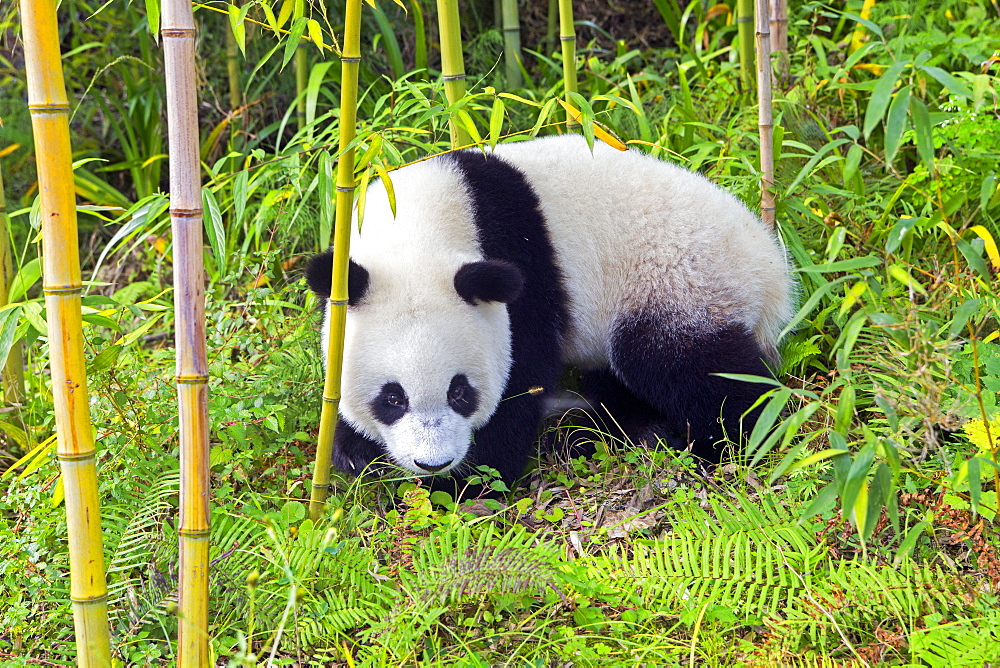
(420, 380)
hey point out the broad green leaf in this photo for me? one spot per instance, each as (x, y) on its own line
(851, 163)
(851, 264)
(987, 190)
(878, 493)
(900, 231)
(895, 122)
(134, 335)
(948, 81)
(989, 243)
(240, 197)
(902, 275)
(390, 191)
(153, 18)
(317, 75)
(906, 545)
(823, 502)
(238, 27)
(975, 483)
(326, 198)
(105, 359)
(857, 476)
(10, 318)
(214, 228)
(272, 22)
(924, 132)
(362, 196)
(26, 277)
(285, 13)
(374, 149)
(881, 96)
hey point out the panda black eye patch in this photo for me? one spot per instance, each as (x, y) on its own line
(390, 404)
(462, 397)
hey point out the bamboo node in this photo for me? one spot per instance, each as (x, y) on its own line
(567, 38)
(745, 19)
(75, 456)
(177, 32)
(350, 59)
(48, 108)
(191, 379)
(57, 290)
(331, 401)
(338, 302)
(453, 77)
(346, 189)
(194, 533)
(186, 213)
(89, 600)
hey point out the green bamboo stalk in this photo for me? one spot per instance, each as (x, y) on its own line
(452, 64)
(233, 70)
(301, 69)
(765, 123)
(512, 43)
(420, 36)
(350, 63)
(567, 37)
(178, 33)
(13, 369)
(745, 37)
(551, 22)
(62, 286)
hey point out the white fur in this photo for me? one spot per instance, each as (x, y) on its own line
(413, 328)
(630, 232)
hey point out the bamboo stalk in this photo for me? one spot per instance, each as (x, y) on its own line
(189, 314)
(301, 69)
(765, 122)
(62, 286)
(551, 22)
(744, 25)
(350, 63)
(512, 43)
(13, 369)
(779, 35)
(233, 70)
(567, 37)
(452, 64)
(860, 32)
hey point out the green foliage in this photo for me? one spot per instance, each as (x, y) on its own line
(858, 522)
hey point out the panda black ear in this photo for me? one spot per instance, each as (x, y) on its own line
(319, 273)
(489, 281)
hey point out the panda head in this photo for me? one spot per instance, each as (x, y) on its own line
(426, 354)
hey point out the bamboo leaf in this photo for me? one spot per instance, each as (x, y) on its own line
(878, 492)
(240, 197)
(900, 231)
(285, 13)
(906, 546)
(989, 243)
(10, 318)
(316, 35)
(881, 96)
(895, 122)
(214, 228)
(856, 477)
(238, 27)
(924, 132)
(134, 335)
(105, 359)
(948, 81)
(26, 277)
(824, 502)
(316, 77)
(363, 196)
(294, 37)
(326, 198)
(496, 121)
(852, 264)
(390, 191)
(900, 274)
(153, 18)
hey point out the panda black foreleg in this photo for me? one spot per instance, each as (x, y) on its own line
(353, 453)
(671, 369)
(506, 442)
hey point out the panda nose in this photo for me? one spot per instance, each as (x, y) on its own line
(433, 468)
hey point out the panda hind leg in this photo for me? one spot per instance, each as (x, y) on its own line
(671, 369)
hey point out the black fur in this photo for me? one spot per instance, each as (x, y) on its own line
(319, 272)
(670, 369)
(511, 228)
(390, 405)
(462, 397)
(489, 281)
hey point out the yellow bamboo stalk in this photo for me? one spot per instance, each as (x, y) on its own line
(860, 32)
(350, 63)
(512, 43)
(765, 123)
(62, 287)
(178, 33)
(13, 369)
(452, 64)
(744, 27)
(567, 37)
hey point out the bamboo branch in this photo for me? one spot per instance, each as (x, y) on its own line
(301, 69)
(62, 287)
(765, 123)
(779, 35)
(178, 33)
(452, 64)
(337, 312)
(567, 38)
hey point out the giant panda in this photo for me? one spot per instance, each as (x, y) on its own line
(502, 267)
